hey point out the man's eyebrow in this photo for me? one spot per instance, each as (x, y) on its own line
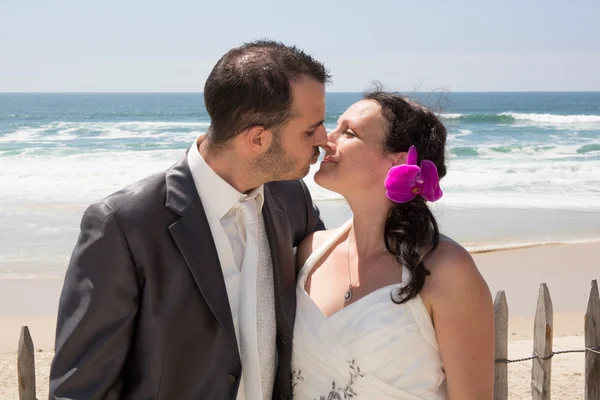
(316, 125)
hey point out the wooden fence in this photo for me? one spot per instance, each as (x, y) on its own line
(541, 370)
(541, 358)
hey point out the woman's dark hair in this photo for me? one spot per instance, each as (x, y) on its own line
(411, 231)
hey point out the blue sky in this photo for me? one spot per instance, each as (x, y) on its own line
(142, 46)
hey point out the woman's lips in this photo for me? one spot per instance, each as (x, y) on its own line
(329, 159)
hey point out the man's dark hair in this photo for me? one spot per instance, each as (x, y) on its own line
(251, 85)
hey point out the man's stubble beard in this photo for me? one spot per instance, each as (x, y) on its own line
(276, 165)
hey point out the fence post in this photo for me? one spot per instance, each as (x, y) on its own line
(501, 339)
(542, 346)
(26, 366)
(592, 339)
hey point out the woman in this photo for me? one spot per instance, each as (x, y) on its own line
(388, 308)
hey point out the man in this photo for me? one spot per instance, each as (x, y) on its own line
(182, 285)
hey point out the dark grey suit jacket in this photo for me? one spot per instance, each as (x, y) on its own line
(144, 312)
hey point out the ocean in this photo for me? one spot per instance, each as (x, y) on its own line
(523, 168)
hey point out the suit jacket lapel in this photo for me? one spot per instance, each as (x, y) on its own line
(278, 233)
(195, 242)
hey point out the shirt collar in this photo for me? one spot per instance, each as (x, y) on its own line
(213, 189)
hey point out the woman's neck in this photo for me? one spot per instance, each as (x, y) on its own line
(368, 225)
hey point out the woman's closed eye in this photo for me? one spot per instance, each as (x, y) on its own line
(348, 132)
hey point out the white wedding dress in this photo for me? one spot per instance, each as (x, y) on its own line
(371, 349)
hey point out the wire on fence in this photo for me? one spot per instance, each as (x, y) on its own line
(593, 350)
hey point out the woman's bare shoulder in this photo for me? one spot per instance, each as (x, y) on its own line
(452, 268)
(313, 242)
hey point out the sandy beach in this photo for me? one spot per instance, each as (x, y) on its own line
(566, 269)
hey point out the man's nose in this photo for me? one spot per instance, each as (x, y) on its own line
(320, 136)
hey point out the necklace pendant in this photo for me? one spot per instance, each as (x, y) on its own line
(348, 295)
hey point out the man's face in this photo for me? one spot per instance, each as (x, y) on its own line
(296, 145)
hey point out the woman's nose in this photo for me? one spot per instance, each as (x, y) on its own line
(330, 148)
(333, 136)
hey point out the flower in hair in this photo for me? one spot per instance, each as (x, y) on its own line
(404, 182)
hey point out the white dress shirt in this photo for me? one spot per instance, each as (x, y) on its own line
(221, 203)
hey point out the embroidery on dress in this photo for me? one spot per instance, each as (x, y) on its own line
(296, 377)
(345, 392)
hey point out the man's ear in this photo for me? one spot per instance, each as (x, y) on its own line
(257, 139)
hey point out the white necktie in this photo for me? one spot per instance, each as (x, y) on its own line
(257, 311)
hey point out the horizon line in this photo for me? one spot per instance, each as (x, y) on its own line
(329, 92)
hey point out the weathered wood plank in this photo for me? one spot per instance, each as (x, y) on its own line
(501, 338)
(26, 366)
(542, 346)
(592, 339)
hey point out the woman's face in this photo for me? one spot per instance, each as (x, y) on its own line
(356, 160)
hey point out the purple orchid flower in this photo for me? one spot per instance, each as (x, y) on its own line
(404, 182)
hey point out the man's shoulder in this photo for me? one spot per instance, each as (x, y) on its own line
(139, 198)
(297, 184)
(289, 191)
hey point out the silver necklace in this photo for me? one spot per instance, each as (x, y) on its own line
(348, 294)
